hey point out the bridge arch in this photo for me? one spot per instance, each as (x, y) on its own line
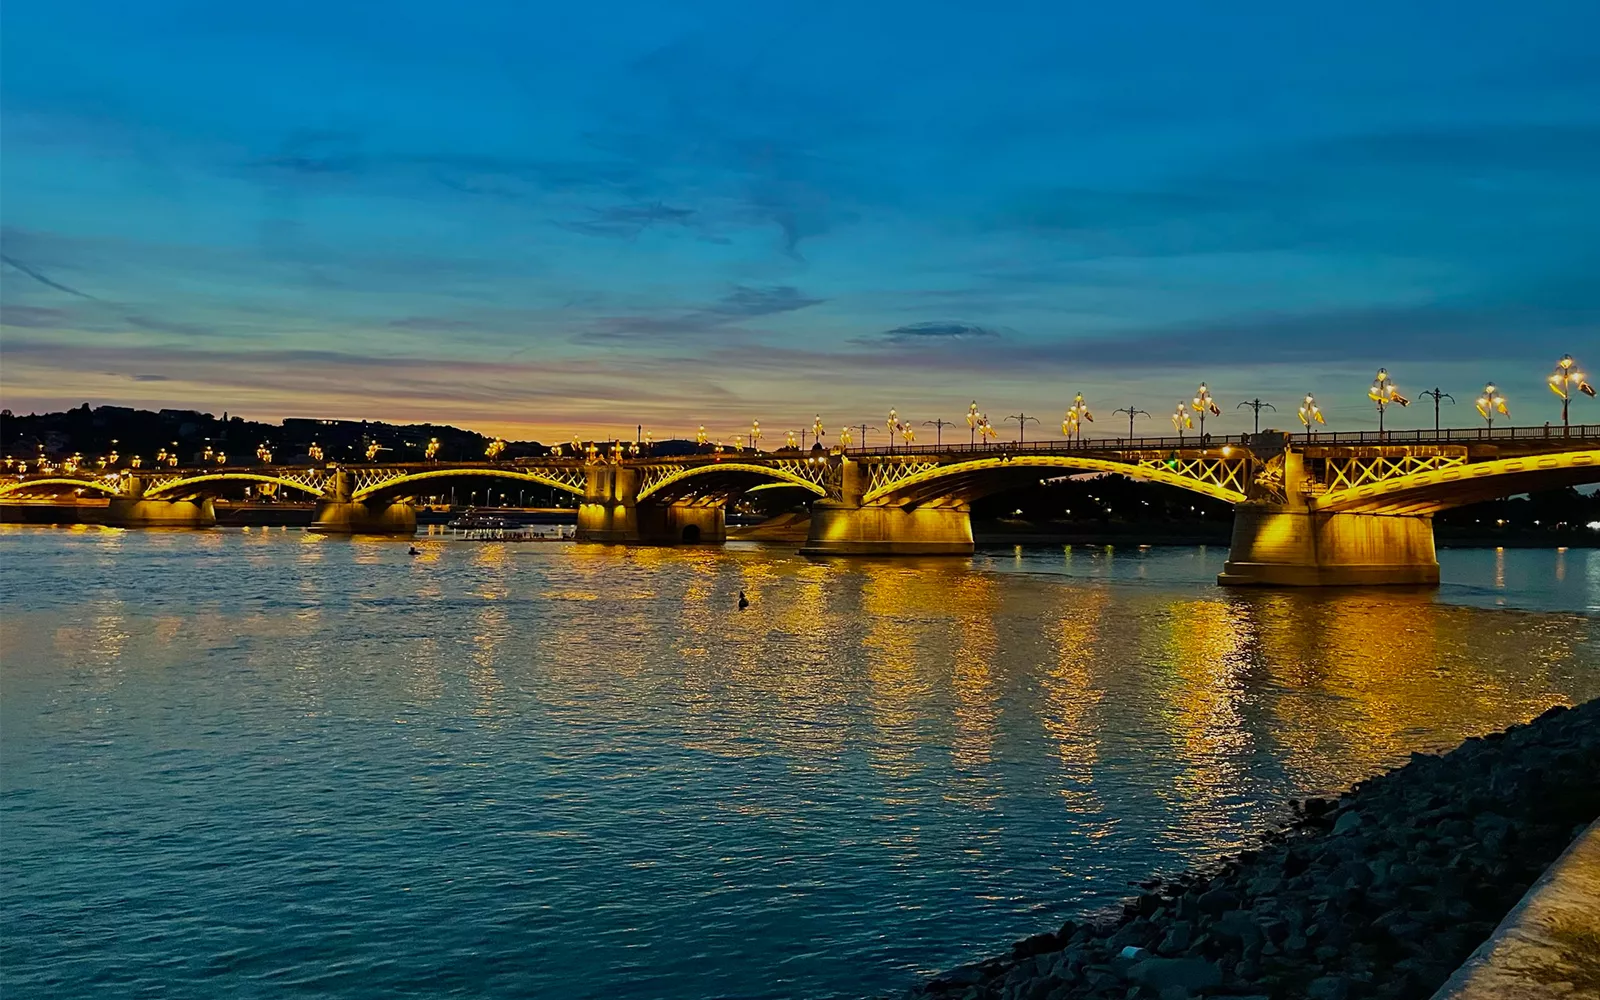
(1222, 478)
(22, 486)
(185, 486)
(398, 485)
(1439, 489)
(724, 479)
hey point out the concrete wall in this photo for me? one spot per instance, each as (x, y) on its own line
(136, 512)
(842, 530)
(616, 523)
(351, 518)
(1549, 945)
(1286, 547)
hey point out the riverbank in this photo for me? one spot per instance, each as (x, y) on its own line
(1381, 893)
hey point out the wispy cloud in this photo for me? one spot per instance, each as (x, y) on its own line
(913, 333)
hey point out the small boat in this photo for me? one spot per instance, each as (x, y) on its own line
(476, 521)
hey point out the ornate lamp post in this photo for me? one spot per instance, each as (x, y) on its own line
(1132, 412)
(974, 418)
(1257, 405)
(431, 452)
(1204, 404)
(700, 437)
(1077, 413)
(493, 452)
(892, 425)
(907, 433)
(1309, 414)
(987, 431)
(845, 439)
(1181, 421)
(1566, 378)
(1384, 392)
(1490, 403)
(755, 435)
(817, 430)
(791, 441)
(1439, 395)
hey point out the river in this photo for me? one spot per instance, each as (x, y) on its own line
(257, 762)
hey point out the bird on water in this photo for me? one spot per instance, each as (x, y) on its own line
(744, 602)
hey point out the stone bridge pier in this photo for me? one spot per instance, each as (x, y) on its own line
(339, 513)
(612, 513)
(131, 509)
(848, 527)
(1289, 543)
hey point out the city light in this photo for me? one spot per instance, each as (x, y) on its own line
(1077, 414)
(817, 430)
(1383, 393)
(492, 452)
(1310, 413)
(1490, 403)
(1181, 421)
(1204, 404)
(431, 452)
(1566, 378)
(973, 420)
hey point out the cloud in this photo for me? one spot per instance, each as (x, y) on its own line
(41, 279)
(32, 316)
(628, 221)
(743, 303)
(943, 332)
(150, 378)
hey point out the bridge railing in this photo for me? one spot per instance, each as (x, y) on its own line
(1447, 435)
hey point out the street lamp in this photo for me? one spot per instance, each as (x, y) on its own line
(893, 425)
(1490, 403)
(1203, 404)
(1022, 420)
(755, 435)
(1384, 392)
(1566, 378)
(1077, 413)
(817, 430)
(986, 430)
(1181, 421)
(938, 425)
(1132, 412)
(974, 418)
(1257, 405)
(845, 439)
(432, 451)
(492, 452)
(1309, 414)
(700, 437)
(790, 441)
(907, 433)
(1439, 395)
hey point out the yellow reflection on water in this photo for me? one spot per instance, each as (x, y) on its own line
(1072, 696)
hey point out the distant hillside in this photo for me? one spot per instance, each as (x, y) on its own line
(98, 431)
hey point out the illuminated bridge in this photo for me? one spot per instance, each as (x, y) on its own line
(1323, 509)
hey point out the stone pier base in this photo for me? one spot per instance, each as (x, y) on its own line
(838, 530)
(1274, 546)
(136, 512)
(651, 524)
(354, 518)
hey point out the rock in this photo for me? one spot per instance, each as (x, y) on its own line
(1327, 988)
(1218, 900)
(1192, 974)
(1177, 938)
(1349, 821)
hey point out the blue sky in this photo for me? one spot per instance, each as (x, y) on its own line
(545, 219)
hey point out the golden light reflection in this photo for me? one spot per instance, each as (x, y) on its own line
(1072, 696)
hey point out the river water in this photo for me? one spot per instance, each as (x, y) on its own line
(266, 763)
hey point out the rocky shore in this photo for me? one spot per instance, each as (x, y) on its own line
(1381, 893)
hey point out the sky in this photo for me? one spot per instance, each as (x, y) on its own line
(545, 219)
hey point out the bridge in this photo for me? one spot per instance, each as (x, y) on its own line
(1310, 509)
